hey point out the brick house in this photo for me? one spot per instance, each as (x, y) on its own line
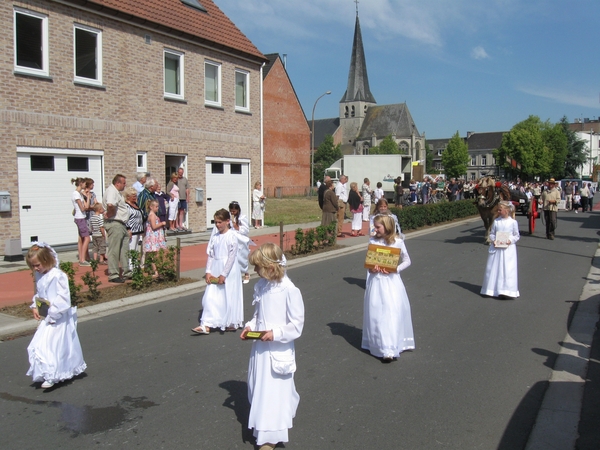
(286, 134)
(100, 87)
(481, 152)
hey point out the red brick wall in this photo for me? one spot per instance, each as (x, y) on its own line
(286, 136)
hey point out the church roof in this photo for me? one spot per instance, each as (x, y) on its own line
(323, 127)
(384, 120)
(358, 80)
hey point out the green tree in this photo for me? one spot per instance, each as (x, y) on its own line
(556, 142)
(325, 156)
(525, 144)
(428, 158)
(455, 157)
(577, 152)
(387, 147)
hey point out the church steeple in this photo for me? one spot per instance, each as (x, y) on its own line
(358, 80)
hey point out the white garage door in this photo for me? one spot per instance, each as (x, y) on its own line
(227, 180)
(45, 191)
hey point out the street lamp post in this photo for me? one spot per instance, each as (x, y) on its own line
(312, 145)
(591, 154)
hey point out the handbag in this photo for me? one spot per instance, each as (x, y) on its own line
(283, 363)
(358, 210)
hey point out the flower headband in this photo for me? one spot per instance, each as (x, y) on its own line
(46, 245)
(282, 262)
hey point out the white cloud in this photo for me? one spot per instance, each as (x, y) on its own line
(422, 21)
(587, 100)
(479, 53)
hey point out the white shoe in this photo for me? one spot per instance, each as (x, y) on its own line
(47, 385)
(201, 329)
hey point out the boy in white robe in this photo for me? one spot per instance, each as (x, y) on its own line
(223, 301)
(277, 322)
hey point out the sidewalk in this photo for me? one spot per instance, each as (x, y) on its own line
(17, 287)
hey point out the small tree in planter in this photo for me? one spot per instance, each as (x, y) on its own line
(92, 281)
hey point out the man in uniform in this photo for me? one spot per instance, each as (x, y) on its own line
(550, 199)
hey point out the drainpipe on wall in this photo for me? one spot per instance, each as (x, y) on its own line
(261, 132)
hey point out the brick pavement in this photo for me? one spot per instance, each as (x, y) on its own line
(17, 286)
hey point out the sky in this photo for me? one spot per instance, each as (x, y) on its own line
(460, 65)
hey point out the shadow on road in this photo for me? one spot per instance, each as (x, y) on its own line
(350, 333)
(238, 402)
(563, 398)
(520, 424)
(475, 235)
(360, 282)
(475, 288)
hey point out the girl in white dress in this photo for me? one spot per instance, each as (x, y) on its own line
(366, 195)
(387, 323)
(239, 223)
(222, 303)
(54, 352)
(279, 314)
(258, 205)
(501, 273)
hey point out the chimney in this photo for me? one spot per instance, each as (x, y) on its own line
(285, 61)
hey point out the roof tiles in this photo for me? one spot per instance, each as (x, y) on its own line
(212, 26)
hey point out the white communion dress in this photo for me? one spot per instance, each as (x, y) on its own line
(55, 352)
(273, 397)
(244, 241)
(387, 322)
(501, 271)
(223, 304)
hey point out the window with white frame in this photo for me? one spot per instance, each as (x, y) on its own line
(88, 54)
(440, 151)
(473, 160)
(212, 83)
(173, 74)
(242, 90)
(142, 161)
(484, 160)
(31, 42)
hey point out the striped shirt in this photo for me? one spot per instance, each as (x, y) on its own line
(96, 222)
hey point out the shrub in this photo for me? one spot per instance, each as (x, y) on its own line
(141, 276)
(74, 288)
(312, 239)
(166, 263)
(422, 215)
(91, 280)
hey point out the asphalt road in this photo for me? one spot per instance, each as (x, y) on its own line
(475, 380)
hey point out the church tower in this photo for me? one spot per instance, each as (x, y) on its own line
(358, 97)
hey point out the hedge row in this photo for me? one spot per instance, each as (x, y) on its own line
(417, 216)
